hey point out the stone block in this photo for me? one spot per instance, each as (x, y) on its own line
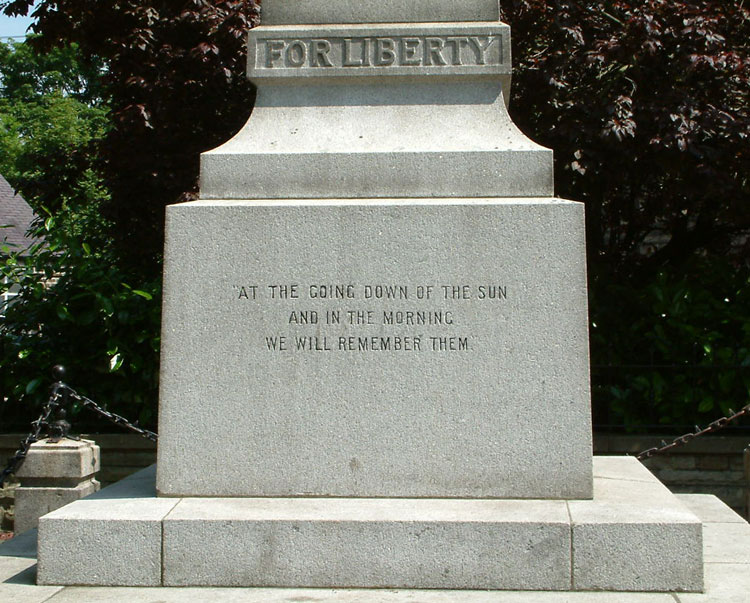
(390, 349)
(112, 537)
(71, 460)
(627, 537)
(635, 535)
(276, 12)
(32, 503)
(53, 475)
(397, 543)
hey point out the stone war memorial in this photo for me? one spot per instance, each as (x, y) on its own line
(375, 366)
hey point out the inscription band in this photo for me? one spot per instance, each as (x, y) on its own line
(472, 49)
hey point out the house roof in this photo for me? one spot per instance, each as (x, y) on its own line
(15, 218)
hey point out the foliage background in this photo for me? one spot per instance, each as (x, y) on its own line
(646, 105)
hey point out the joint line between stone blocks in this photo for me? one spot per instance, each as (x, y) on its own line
(570, 527)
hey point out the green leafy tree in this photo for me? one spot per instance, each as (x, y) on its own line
(75, 305)
(51, 118)
(176, 86)
(78, 308)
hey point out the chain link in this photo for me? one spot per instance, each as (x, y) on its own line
(36, 429)
(60, 394)
(110, 416)
(685, 438)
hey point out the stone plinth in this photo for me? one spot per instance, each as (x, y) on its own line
(53, 475)
(633, 535)
(380, 348)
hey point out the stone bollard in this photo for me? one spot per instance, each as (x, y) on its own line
(53, 475)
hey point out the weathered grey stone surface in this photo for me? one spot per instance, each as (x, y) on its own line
(53, 475)
(314, 142)
(319, 595)
(710, 509)
(112, 537)
(32, 503)
(411, 109)
(725, 577)
(417, 421)
(634, 535)
(481, 50)
(725, 583)
(73, 459)
(18, 571)
(727, 543)
(277, 12)
(396, 543)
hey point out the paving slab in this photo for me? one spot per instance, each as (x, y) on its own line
(727, 542)
(283, 595)
(18, 571)
(710, 509)
(725, 583)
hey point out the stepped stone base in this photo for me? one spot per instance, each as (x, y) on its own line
(633, 536)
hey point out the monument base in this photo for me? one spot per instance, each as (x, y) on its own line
(633, 536)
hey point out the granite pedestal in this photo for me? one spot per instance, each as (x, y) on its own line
(374, 366)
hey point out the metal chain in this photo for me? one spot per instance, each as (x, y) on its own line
(110, 416)
(59, 395)
(684, 439)
(42, 421)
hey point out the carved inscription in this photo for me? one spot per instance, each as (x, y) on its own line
(391, 51)
(362, 318)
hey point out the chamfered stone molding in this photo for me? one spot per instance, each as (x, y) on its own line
(404, 140)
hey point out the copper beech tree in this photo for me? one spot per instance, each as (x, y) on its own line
(647, 106)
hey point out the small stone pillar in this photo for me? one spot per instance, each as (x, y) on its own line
(53, 475)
